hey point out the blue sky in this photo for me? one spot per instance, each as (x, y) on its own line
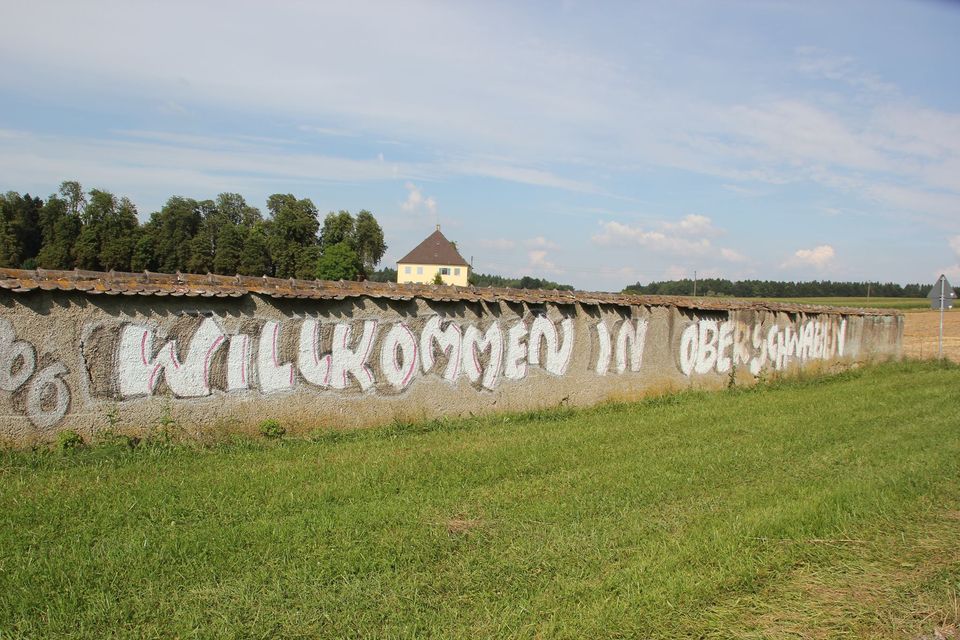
(592, 143)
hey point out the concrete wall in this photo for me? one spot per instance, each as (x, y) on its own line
(216, 365)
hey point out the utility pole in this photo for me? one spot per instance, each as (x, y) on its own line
(868, 291)
(694, 283)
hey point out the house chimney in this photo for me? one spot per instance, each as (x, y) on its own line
(438, 227)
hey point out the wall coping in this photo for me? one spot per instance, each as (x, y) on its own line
(218, 286)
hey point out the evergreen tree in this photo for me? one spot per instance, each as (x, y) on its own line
(9, 249)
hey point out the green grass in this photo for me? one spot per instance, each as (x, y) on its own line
(870, 303)
(824, 507)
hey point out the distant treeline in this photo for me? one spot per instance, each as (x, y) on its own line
(526, 282)
(99, 231)
(484, 280)
(781, 289)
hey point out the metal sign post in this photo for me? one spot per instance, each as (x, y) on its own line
(940, 341)
(941, 297)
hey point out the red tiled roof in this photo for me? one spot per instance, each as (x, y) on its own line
(436, 249)
(192, 285)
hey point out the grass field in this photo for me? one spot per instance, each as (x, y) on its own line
(825, 507)
(870, 303)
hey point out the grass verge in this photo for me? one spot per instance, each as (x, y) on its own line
(825, 507)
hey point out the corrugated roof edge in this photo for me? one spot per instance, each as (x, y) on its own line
(210, 285)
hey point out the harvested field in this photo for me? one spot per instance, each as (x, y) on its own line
(921, 330)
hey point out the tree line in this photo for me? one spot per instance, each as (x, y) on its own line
(780, 289)
(96, 230)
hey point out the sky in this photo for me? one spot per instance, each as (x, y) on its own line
(595, 144)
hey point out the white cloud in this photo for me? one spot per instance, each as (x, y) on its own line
(617, 234)
(416, 202)
(819, 257)
(692, 224)
(731, 255)
(955, 244)
(538, 261)
(539, 242)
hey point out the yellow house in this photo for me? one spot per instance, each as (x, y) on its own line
(434, 255)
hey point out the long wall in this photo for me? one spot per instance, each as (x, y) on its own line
(89, 351)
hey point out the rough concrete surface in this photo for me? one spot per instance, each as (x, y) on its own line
(216, 365)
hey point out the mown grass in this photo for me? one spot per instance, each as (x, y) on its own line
(864, 302)
(825, 507)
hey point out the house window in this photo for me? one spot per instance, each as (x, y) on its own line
(445, 271)
(419, 271)
(456, 271)
(406, 269)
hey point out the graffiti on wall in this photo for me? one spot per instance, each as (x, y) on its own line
(387, 357)
(193, 355)
(368, 355)
(712, 345)
(36, 385)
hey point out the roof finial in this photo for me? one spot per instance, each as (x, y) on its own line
(438, 226)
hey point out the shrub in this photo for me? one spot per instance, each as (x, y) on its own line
(271, 429)
(68, 440)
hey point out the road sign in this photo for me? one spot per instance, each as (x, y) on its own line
(942, 295)
(941, 298)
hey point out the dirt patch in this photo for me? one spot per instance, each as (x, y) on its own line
(921, 329)
(461, 526)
